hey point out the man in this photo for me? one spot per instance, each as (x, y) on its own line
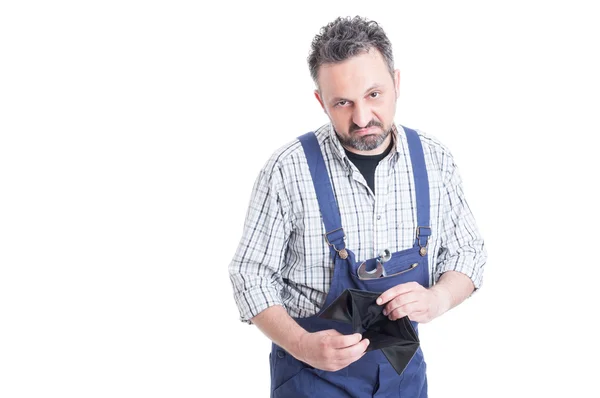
(388, 193)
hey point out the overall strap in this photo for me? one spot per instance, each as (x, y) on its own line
(421, 189)
(327, 204)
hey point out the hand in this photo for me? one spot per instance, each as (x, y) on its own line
(415, 301)
(330, 350)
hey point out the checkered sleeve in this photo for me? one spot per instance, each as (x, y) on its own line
(462, 246)
(255, 268)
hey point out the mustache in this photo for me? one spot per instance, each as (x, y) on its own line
(372, 123)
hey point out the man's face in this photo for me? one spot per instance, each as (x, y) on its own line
(359, 96)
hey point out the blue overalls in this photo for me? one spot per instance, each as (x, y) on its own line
(372, 375)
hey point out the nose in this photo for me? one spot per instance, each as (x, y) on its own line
(361, 115)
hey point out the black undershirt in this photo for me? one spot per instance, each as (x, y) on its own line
(367, 164)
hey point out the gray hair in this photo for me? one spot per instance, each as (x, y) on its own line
(345, 38)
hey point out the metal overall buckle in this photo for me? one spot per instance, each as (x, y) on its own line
(343, 253)
(422, 249)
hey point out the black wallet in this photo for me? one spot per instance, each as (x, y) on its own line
(397, 339)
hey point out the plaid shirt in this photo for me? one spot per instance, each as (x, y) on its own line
(283, 258)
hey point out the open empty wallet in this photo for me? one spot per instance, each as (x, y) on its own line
(397, 339)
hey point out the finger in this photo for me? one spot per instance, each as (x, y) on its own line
(406, 298)
(359, 349)
(396, 291)
(343, 341)
(397, 314)
(353, 352)
(331, 332)
(405, 310)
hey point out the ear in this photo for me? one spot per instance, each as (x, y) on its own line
(318, 97)
(397, 82)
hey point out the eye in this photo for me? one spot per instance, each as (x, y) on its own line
(375, 94)
(341, 103)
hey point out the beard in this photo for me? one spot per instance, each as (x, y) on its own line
(365, 142)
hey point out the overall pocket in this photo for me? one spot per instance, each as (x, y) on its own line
(298, 386)
(410, 267)
(288, 374)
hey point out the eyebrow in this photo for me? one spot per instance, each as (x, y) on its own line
(373, 87)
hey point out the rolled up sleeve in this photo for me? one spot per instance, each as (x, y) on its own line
(255, 269)
(462, 246)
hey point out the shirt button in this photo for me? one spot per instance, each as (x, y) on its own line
(379, 217)
(280, 354)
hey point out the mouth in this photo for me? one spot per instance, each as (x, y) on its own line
(366, 131)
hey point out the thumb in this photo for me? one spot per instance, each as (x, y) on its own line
(331, 332)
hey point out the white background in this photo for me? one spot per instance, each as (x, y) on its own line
(131, 135)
